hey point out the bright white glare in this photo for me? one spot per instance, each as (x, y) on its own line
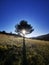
(23, 31)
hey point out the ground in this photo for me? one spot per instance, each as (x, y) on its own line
(37, 51)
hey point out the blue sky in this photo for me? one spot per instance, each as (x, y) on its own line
(36, 12)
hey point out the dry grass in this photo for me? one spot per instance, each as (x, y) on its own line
(7, 39)
(35, 49)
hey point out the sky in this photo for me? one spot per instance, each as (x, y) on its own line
(35, 12)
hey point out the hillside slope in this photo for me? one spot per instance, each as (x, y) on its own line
(42, 37)
(37, 51)
(16, 40)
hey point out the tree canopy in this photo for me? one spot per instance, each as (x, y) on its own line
(23, 25)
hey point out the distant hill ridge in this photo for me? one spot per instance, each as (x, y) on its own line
(12, 34)
(43, 37)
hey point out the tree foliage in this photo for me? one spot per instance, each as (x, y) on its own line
(23, 25)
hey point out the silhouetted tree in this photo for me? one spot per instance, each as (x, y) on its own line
(24, 28)
(3, 32)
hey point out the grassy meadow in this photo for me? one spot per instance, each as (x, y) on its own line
(37, 51)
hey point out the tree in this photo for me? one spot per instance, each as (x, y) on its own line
(3, 32)
(24, 28)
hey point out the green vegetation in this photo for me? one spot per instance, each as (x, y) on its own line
(37, 51)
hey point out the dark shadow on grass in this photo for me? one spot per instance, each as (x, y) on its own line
(24, 57)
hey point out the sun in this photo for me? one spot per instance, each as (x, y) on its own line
(23, 31)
